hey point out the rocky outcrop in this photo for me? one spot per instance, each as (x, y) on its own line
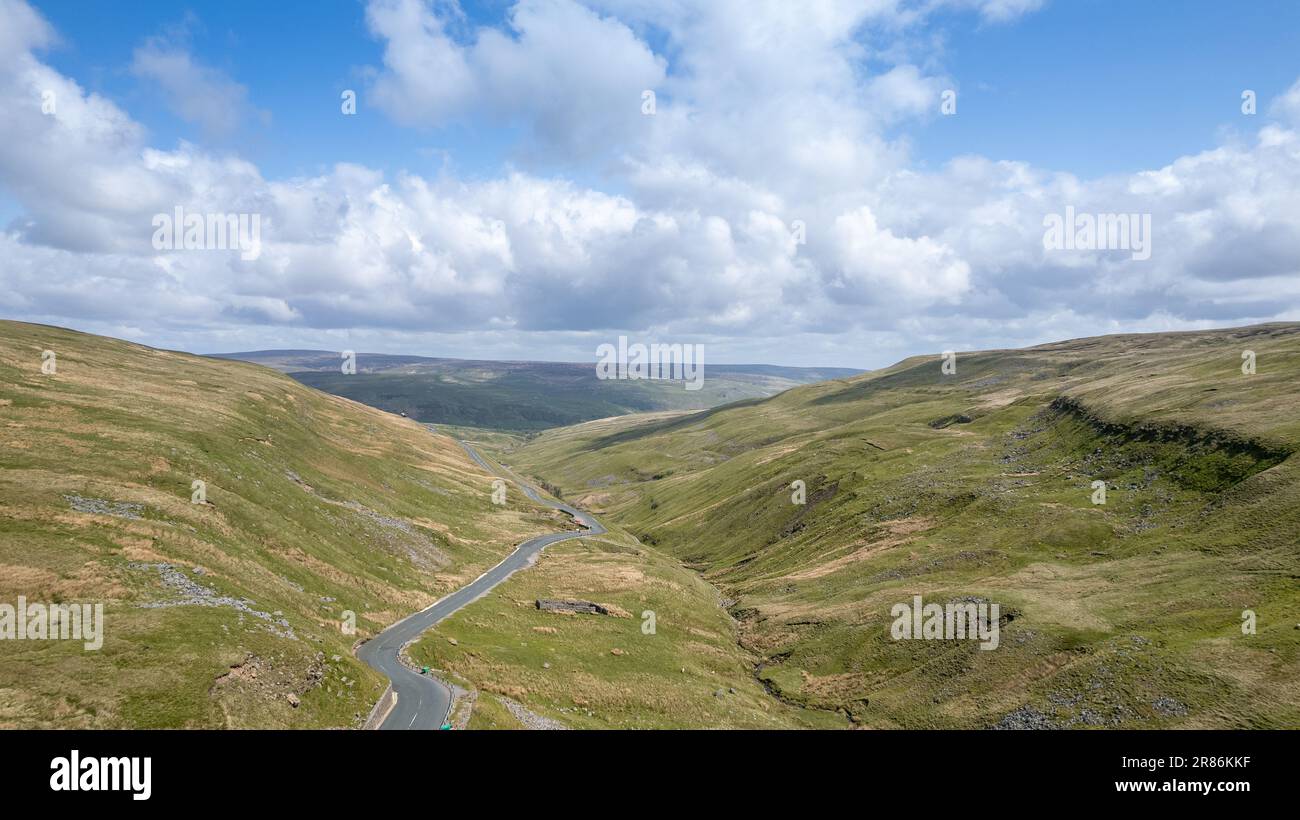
(557, 605)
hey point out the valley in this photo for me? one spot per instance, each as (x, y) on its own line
(1126, 507)
(979, 487)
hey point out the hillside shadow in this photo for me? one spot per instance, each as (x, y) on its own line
(668, 425)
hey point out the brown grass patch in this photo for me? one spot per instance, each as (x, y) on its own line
(899, 532)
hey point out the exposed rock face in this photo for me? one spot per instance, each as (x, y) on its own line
(556, 605)
(948, 421)
(824, 492)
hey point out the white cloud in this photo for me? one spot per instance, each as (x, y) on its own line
(197, 94)
(569, 75)
(765, 118)
(1001, 11)
(1287, 105)
(875, 263)
(24, 30)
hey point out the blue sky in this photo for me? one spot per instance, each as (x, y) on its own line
(501, 194)
(1150, 80)
(1106, 86)
(298, 79)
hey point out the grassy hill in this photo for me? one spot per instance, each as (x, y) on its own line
(229, 612)
(521, 396)
(666, 655)
(979, 486)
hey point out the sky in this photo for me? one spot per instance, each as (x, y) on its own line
(817, 183)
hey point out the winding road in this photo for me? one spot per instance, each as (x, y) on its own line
(423, 701)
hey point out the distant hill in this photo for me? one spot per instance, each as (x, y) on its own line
(522, 396)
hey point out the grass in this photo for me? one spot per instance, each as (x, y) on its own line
(316, 505)
(594, 671)
(1125, 615)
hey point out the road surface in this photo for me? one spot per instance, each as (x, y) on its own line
(423, 702)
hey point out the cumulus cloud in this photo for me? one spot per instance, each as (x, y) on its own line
(1001, 11)
(1287, 105)
(873, 261)
(196, 93)
(763, 208)
(24, 29)
(572, 77)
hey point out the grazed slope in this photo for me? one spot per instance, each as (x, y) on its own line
(979, 484)
(665, 655)
(316, 505)
(521, 396)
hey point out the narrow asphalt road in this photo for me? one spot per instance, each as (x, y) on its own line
(423, 702)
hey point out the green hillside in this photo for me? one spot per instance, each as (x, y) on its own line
(978, 486)
(521, 396)
(666, 655)
(228, 612)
